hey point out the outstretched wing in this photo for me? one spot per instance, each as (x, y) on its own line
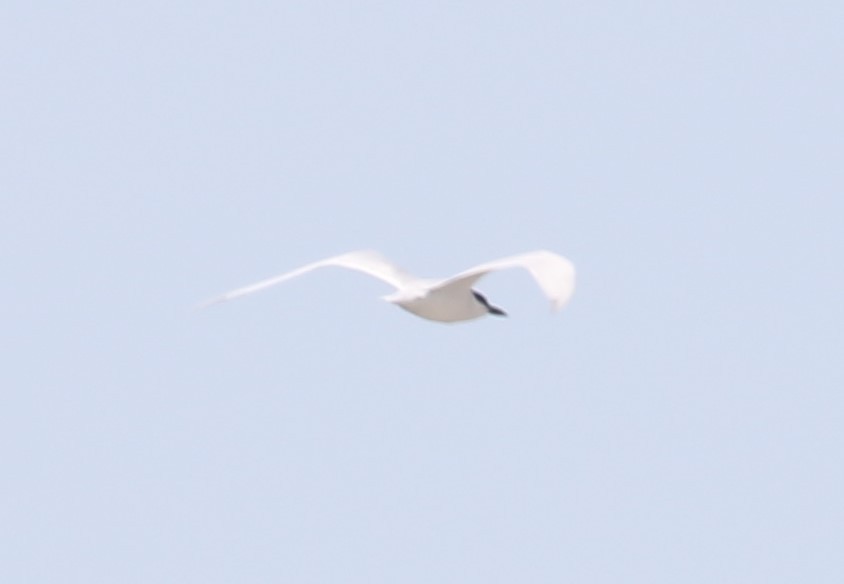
(366, 261)
(553, 273)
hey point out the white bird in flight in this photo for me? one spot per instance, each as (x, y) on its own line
(448, 300)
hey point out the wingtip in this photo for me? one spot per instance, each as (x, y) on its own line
(557, 304)
(205, 304)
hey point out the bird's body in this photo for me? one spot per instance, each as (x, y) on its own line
(448, 300)
(439, 304)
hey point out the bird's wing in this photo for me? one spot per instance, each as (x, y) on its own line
(554, 274)
(368, 262)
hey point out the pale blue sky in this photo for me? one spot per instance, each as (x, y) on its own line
(681, 421)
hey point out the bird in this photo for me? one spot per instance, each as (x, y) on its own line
(447, 300)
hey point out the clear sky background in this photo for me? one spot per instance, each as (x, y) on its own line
(682, 420)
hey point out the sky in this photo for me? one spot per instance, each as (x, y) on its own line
(681, 420)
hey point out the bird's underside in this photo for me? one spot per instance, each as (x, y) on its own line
(446, 305)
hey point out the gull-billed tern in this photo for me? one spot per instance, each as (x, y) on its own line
(449, 300)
